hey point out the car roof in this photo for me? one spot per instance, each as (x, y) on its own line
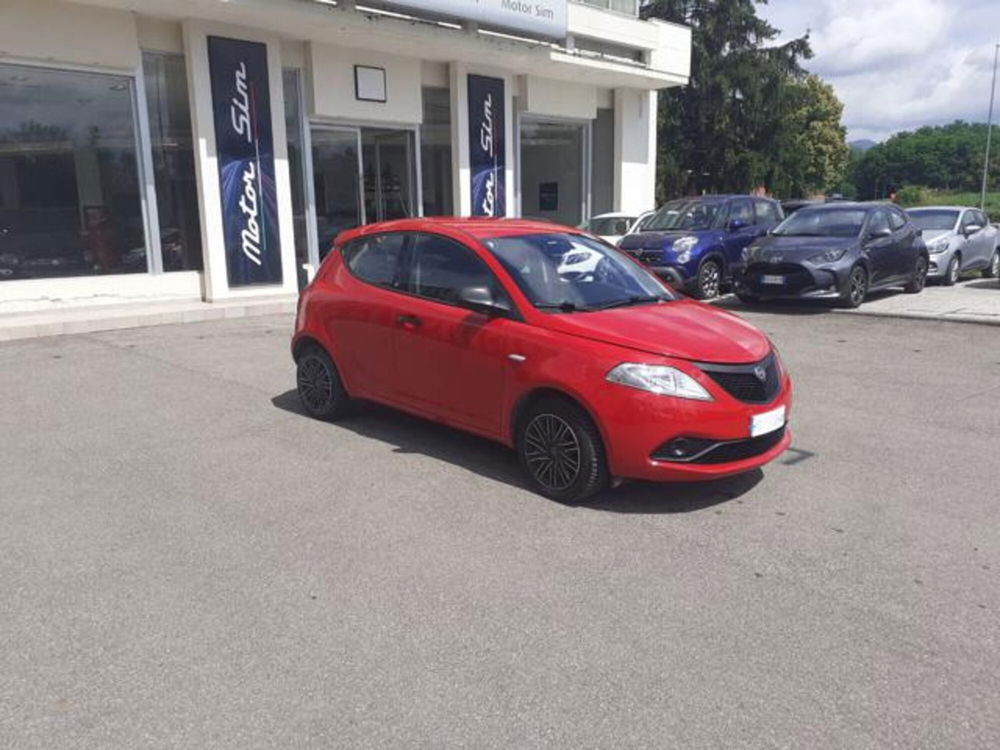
(475, 227)
(838, 205)
(942, 208)
(613, 215)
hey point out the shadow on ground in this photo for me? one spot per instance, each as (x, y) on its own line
(992, 284)
(796, 306)
(410, 434)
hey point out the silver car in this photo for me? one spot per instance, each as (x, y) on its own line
(959, 239)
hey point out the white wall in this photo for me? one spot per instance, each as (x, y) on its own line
(331, 86)
(548, 98)
(635, 150)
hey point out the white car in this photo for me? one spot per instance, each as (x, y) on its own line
(613, 226)
(959, 239)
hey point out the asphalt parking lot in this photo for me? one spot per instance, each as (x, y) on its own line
(186, 561)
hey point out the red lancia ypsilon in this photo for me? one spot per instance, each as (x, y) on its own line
(546, 339)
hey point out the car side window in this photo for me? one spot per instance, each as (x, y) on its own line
(441, 268)
(980, 218)
(767, 212)
(375, 259)
(743, 211)
(879, 221)
(896, 219)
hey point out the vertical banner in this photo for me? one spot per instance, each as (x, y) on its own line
(487, 149)
(244, 141)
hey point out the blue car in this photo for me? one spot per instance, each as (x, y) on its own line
(696, 244)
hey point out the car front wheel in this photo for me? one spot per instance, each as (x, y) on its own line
(320, 390)
(951, 273)
(856, 289)
(919, 279)
(709, 281)
(993, 269)
(561, 452)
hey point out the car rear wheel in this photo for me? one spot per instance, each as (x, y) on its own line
(856, 289)
(993, 269)
(561, 452)
(320, 390)
(709, 281)
(951, 273)
(919, 279)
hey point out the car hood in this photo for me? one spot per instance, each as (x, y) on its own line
(790, 248)
(930, 235)
(653, 240)
(683, 329)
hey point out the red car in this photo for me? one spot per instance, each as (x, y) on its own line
(546, 339)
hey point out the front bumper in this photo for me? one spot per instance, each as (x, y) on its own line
(798, 280)
(638, 425)
(937, 267)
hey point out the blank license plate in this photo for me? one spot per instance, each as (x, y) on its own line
(773, 280)
(769, 421)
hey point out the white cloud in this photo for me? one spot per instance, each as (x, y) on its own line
(898, 64)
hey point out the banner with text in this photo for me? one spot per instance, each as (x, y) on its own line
(533, 18)
(244, 143)
(487, 149)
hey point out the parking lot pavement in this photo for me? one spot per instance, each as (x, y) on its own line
(974, 300)
(187, 561)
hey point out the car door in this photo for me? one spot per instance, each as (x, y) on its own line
(905, 245)
(879, 248)
(969, 246)
(361, 316)
(985, 240)
(741, 229)
(451, 363)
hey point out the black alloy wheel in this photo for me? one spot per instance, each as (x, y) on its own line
(709, 283)
(952, 272)
(919, 280)
(993, 269)
(561, 451)
(856, 289)
(319, 387)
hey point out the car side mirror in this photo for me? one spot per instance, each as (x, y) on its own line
(971, 230)
(481, 300)
(737, 224)
(879, 234)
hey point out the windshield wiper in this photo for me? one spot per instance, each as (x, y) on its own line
(633, 300)
(564, 306)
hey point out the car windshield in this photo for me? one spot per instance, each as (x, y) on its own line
(686, 215)
(823, 222)
(935, 219)
(564, 272)
(610, 225)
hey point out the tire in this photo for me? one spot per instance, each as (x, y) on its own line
(708, 284)
(561, 451)
(321, 391)
(951, 273)
(856, 288)
(919, 280)
(992, 271)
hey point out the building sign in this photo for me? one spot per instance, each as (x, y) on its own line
(487, 152)
(244, 143)
(533, 18)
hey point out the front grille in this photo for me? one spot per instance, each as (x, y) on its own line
(742, 381)
(647, 257)
(722, 453)
(797, 278)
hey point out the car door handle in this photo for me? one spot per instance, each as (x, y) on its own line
(409, 321)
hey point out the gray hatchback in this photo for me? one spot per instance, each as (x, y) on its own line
(959, 239)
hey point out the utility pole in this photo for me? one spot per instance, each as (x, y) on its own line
(989, 131)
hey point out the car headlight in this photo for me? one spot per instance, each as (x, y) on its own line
(938, 246)
(683, 247)
(829, 256)
(659, 379)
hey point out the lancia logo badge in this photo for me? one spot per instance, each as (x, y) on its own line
(761, 373)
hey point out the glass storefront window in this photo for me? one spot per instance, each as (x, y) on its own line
(553, 171)
(173, 161)
(435, 153)
(70, 201)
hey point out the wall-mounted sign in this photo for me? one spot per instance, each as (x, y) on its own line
(369, 84)
(487, 149)
(534, 18)
(244, 142)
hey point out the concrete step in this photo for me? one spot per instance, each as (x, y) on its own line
(69, 320)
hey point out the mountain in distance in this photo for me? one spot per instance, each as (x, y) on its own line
(862, 145)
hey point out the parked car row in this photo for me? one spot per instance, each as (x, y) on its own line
(838, 250)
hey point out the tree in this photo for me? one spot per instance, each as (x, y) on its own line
(733, 126)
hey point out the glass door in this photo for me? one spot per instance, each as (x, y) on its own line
(336, 165)
(554, 171)
(389, 173)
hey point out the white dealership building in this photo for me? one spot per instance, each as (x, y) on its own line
(211, 149)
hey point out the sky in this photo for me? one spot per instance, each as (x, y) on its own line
(898, 64)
